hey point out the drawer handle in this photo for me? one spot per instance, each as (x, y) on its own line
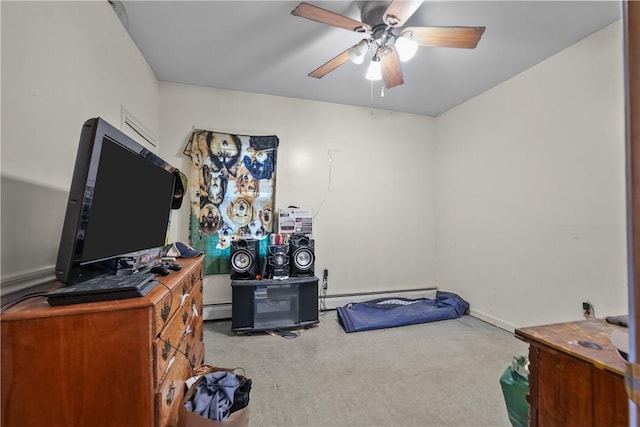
(187, 350)
(193, 279)
(194, 310)
(166, 349)
(185, 316)
(164, 311)
(185, 288)
(170, 394)
(184, 298)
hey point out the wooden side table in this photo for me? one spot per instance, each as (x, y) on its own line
(576, 375)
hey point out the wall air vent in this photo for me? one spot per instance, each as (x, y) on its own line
(129, 123)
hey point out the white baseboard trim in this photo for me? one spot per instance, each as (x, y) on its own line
(502, 324)
(223, 310)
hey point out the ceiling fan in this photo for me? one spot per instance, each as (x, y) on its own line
(388, 40)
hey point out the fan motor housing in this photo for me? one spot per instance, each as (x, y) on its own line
(371, 12)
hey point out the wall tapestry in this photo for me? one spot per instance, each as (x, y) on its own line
(232, 191)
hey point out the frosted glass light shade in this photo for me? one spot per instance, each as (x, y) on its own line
(358, 51)
(406, 48)
(374, 72)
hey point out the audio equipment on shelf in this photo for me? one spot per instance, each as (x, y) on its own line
(302, 258)
(278, 262)
(244, 259)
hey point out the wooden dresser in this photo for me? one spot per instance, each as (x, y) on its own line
(574, 385)
(114, 363)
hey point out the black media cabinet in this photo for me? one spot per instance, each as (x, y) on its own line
(263, 305)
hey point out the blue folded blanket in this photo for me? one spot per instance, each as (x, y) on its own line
(395, 311)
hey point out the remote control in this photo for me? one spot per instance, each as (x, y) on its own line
(160, 269)
(173, 266)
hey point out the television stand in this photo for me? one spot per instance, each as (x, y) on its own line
(263, 305)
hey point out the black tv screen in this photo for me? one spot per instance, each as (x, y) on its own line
(119, 202)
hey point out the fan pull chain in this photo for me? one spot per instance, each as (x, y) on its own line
(371, 95)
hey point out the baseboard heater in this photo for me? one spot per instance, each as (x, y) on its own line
(330, 302)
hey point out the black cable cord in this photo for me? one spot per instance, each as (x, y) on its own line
(287, 334)
(178, 351)
(323, 296)
(186, 332)
(170, 294)
(8, 305)
(170, 306)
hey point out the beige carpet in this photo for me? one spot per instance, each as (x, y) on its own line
(434, 374)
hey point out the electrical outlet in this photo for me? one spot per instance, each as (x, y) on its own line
(588, 311)
(325, 274)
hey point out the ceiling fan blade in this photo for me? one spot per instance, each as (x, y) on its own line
(463, 37)
(390, 67)
(324, 16)
(399, 11)
(330, 65)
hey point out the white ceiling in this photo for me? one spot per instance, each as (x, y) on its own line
(258, 46)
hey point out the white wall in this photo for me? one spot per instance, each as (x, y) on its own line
(525, 186)
(62, 63)
(368, 174)
(531, 190)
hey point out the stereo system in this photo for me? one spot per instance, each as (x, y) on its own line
(294, 259)
(302, 256)
(244, 259)
(277, 262)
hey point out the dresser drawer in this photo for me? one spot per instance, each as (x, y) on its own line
(189, 344)
(181, 331)
(169, 394)
(165, 345)
(197, 355)
(175, 296)
(148, 393)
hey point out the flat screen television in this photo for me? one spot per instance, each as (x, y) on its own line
(119, 203)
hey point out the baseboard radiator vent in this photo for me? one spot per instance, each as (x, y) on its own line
(331, 302)
(216, 311)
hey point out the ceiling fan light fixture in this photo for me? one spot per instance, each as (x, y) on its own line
(406, 47)
(389, 41)
(374, 72)
(358, 51)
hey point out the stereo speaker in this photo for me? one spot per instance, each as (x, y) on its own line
(278, 261)
(244, 259)
(302, 258)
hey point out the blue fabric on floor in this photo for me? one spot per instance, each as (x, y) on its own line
(395, 311)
